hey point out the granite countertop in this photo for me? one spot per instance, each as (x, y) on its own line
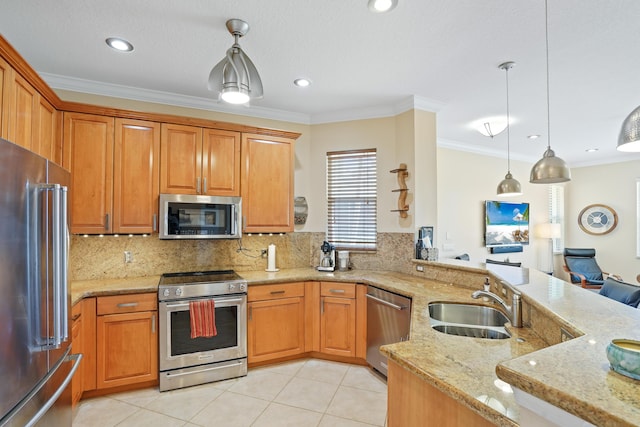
(573, 375)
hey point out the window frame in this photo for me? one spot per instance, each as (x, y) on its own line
(352, 222)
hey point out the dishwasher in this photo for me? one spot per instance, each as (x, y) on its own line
(388, 320)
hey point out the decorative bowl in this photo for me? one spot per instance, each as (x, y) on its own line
(624, 357)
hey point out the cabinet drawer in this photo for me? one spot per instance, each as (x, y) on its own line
(267, 292)
(344, 290)
(127, 303)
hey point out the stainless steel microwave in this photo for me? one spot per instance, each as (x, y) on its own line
(185, 216)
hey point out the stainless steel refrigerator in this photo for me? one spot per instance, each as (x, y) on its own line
(36, 364)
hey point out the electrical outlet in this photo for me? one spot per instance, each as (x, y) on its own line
(420, 267)
(263, 253)
(128, 257)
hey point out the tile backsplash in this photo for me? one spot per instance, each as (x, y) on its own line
(96, 257)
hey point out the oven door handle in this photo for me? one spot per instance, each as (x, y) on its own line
(186, 304)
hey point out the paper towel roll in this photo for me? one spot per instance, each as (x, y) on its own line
(271, 258)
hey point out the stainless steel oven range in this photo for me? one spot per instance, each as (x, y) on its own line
(186, 361)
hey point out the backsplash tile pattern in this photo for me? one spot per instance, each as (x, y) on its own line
(96, 257)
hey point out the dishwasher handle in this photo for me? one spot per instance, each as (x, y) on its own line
(387, 303)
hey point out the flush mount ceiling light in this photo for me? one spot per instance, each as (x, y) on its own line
(381, 6)
(235, 78)
(491, 127)
(549, 169)
(119, 44)
(508, 186)
(629, 139)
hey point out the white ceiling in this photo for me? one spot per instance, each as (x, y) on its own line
(433, 54)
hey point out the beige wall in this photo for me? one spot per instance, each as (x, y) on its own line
(465, 181)
(613, 185)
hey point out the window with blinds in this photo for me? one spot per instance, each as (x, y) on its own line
(352, 199)
(556, 214)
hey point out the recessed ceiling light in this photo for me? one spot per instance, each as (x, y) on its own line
(302, 82)
(119, 44)
(381, 6)
(591, 150)
(533, 136)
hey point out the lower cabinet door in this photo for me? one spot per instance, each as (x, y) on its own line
(77, 347)
(127, 349)
(338, 326)
(275, 329)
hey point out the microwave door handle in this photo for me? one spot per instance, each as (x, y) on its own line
(234, 224)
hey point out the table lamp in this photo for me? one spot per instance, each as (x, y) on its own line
(549, 231)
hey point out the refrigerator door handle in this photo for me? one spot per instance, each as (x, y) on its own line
(75, 358)
(60, 264)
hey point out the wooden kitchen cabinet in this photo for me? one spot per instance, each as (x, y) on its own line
(114, 173)
(338, 319)
(267, 183)
(47, 141)
(276, 321)
(412, 401)
(127, 342)
(136, 174)
(199, 161)
(22, 109)
(88, 155)
(77, 346)
(27, 118)
(5, 76)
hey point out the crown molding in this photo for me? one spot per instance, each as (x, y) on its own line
(159, 97)
(137, 94)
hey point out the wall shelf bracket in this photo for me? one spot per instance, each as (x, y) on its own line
(402, 175)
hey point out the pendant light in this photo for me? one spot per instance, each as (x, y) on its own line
(549, 169)
(235, 78)
(509, 186)
(629, 139)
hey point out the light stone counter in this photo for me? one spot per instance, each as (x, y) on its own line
(572, 375)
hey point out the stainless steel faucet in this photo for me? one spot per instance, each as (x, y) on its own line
(514, 311)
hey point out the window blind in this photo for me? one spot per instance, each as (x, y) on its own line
(352, 199)
(556, 214)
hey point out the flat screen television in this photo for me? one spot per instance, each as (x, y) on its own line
(506, 223)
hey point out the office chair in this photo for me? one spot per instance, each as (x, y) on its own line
(583, 269)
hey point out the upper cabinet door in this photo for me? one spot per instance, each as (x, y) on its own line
(46, 141)
(5, 99)
(23, 112)
(181, 160)
(267, 183)
(221, 163)
(88, 155)
(136, 176)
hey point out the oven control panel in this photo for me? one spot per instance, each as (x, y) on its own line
(197, 290)
(237, 287)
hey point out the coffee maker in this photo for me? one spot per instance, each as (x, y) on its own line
(327, 257)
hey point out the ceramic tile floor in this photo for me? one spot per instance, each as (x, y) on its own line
(310, 392)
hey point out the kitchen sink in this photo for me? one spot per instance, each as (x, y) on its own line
(468, 320)
(468, 314)
(467, 331)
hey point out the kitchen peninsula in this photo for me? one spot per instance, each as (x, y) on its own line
(572, 375)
